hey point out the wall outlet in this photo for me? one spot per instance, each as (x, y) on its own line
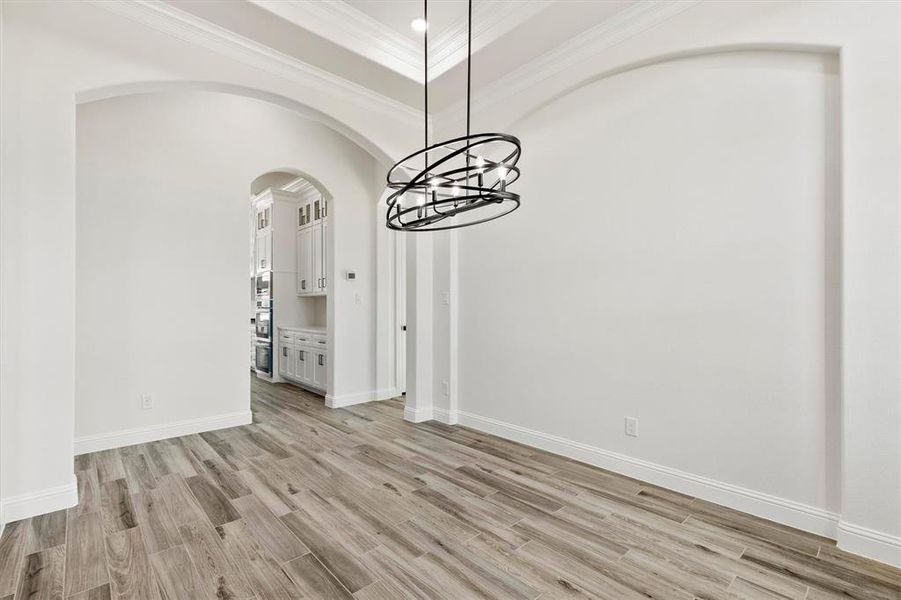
(358, 299)
(445, 388)
(632, 426)
(445, 298)
(146, 401)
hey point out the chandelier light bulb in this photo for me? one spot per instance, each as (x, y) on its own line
(502, 173)
(419, 25)
(455, 190)
(480, 163)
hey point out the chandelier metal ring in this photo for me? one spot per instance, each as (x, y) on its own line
(459, 182)
(458, 179)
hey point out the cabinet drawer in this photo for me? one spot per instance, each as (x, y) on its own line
(301, 338)
(286, 338)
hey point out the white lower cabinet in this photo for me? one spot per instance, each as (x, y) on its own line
(308, 367)
(319, 356)
(303, 357)
(286, 361)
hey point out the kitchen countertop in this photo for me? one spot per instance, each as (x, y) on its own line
(304, 328)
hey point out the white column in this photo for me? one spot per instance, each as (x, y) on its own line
(419, 406)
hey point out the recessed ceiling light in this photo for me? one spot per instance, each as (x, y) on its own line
(419, 24)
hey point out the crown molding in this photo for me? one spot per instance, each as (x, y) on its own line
(303, 188)
(353, 29)
(347, 26)
(187, 27)
(619, 27)
(490, 20)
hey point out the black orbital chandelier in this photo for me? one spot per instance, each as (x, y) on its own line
(458, 182)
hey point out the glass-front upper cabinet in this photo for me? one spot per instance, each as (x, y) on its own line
(303, 215)
(264, 217)
(311, 212)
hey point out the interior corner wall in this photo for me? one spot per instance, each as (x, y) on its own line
(163, 205)
(668, 263)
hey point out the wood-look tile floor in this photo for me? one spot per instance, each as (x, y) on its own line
(309, 502)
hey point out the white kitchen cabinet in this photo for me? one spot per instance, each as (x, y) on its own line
(300, 356)
(264, 217)
(305, 279)
(320, 357)
(317, 257)
(286, 360)
(303, 357)
(263, 251)
(312, 248)
(323, 255)
(308, 362)
(304, 214)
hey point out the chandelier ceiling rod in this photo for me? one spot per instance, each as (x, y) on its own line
(450, 191)
(425, 47)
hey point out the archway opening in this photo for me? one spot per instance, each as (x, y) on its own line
(162, 263)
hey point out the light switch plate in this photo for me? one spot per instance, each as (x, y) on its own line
(631, 426)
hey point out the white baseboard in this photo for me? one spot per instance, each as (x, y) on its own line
(140, 435)
(788, 512)
(386, 394)
(358, 398)
(870, 543)
(448, 417)
(418, 416)
(43, 501)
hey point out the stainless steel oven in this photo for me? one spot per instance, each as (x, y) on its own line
(263, 318)
(263, 356)
(263, 323)
(264, 285)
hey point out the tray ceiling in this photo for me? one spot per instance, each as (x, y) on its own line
(380, 29)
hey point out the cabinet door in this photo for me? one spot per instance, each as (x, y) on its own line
(319, 369)
(286, 360)
(264, 218)
(317, 258)
(323, 256)
(300, 360)
(309, 365)
(305, 282)
(261, 251)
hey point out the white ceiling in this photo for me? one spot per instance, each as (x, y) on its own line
(398, 14)
(380, 29)
(371, 43)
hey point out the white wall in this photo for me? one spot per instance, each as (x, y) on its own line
(866, 37)
(669, 265)
(105, 52)
(161, 279)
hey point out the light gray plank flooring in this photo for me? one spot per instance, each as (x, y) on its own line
(356, 503)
